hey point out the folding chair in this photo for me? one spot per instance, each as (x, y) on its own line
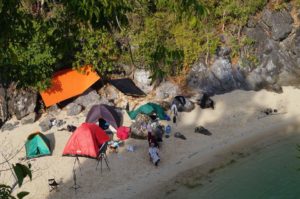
(52, 184)
(102, 155)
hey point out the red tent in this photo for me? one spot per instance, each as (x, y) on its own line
(86, 141)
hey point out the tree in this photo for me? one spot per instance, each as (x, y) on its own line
(20, 172)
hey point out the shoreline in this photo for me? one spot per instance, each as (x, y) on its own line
(192, 178)
(215, 161)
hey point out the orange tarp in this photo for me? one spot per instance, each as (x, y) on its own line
(69, 83)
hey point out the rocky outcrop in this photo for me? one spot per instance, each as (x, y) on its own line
(276, 48)
(143, 80)
(21, 102)
(220, 78)
(3, 106)
(88, 98)
(279, 23)
(167, 90)
(29, 119)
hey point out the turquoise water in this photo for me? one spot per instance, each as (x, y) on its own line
(270, 173)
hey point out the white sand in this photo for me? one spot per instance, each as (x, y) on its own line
(236, 119)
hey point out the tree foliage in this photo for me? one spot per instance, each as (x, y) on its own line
(20, 171)
(160, 35)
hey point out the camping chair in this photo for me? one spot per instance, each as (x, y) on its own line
(102, 155)
(52, 184)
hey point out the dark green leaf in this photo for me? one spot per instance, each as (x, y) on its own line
(22, 194)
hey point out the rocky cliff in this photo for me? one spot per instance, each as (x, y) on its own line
(276, 48)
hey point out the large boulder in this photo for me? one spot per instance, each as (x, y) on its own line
(279, 22)
(109, 93)
(142, 80)
(222, 77)
(46, 124)
(167, 90)
(74, 109)
(21, 101)
(3, 106)
(222, 70)
(88, 98)
(29, 119)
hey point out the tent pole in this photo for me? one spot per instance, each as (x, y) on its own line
(76, 186)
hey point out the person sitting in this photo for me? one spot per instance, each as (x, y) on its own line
(153, 153)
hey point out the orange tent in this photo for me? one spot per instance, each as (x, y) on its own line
(69, 83)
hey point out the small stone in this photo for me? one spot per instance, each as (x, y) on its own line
(74, 109)
(45, 124)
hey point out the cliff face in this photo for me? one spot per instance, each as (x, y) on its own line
(276, 47)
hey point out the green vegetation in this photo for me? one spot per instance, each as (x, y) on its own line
(19, 171)
(163, 36)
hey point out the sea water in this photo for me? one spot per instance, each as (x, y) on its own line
(270, 173)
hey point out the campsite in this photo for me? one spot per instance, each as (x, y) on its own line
(129, 171)
(149, 99)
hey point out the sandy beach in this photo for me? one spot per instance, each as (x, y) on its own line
(237, 124)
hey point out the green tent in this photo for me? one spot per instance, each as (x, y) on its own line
(37, 145)
(149, 109)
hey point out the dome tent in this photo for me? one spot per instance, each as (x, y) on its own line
(86, 141)
(37, 145)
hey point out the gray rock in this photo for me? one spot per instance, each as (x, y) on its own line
(222, 69)
(280, 23)
(21, 102)
(126, 68)
(88, 98)
(46, 124)
(251, 22)
(189, 106)
(53, 108)
(29, 119)
(60, 123)
(110, 93)
(166, 90)
(255, 80)
(142, 80)
(275, 88)
(8, 127)
(223, 51)
(3, 106)
(292, 46)
(74, 109)
(220, 78)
